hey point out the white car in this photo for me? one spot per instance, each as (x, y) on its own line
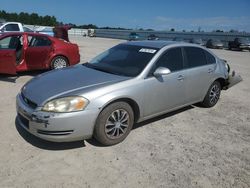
(13, 27)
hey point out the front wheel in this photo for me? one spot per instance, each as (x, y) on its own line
(114, 123)
(212, 95)
(59, 62)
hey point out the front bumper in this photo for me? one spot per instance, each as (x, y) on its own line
(244, 47)
(56, 127)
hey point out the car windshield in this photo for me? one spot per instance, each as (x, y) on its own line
(217, 41)
(179, 39)
(125, 60)
(26, 29)
(197, 40)
(244, 40)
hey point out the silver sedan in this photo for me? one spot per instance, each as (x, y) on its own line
(126, 84)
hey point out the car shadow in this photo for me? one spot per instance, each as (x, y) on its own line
(8, 78)
(94, 142)
(13, 78)
(47, 145)
(158, 118)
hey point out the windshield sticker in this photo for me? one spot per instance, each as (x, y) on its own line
(146, 50)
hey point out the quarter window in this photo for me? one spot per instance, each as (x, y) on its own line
(210, 58)
(195, 57)
(172, 59)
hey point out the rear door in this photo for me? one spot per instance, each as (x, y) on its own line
(200, 66)
(37, 52)
(7, 56)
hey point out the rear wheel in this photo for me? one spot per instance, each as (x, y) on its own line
(114, 123)
(212, 95)
(59, 62)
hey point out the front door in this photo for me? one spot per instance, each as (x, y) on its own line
(168, 91)
(8, 54)
(37, 52)
(8, 61)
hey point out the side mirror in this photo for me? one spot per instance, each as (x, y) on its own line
(160, 71)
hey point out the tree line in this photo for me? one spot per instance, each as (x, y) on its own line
(30, 19)
(35, 19)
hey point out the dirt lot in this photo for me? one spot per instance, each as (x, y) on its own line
(193, 147)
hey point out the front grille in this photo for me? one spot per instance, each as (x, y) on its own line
(24, 121)
(29, 102)
(55, 133)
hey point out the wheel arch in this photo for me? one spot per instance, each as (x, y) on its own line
(222, 82)
(58, 55)
(134, 105)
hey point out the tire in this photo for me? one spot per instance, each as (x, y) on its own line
(212, 95)
(59, 62)
(114, 123)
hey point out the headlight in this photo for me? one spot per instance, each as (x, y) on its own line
(67, 104)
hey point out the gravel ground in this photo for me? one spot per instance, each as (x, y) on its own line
(191, 147)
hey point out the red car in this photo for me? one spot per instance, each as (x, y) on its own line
(34, 51)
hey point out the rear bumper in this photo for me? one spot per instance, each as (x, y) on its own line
(233, 79)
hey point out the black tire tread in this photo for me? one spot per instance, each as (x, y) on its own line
(206, 102)
(99, 132)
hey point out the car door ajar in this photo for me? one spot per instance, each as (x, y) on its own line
(37, 52)
(168, 91)
(8, 55)
(200, 66)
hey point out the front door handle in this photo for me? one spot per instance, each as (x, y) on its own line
(8, 55)
(180, 77)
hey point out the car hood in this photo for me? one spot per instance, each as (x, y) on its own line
(74, 80)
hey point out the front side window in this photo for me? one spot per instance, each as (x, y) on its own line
(38, 41)
(195, 57)
(126, 60)
(172, 59)
(11, 42)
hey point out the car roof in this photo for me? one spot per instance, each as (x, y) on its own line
(21, 33)
(10, 22)
(154, 44)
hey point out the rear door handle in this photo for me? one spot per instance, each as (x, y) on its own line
(210, 71)
(180, 77)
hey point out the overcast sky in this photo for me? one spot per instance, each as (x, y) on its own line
(159, 14)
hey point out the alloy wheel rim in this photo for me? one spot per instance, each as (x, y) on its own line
(214, 94)
(60, 63)
(117, 124)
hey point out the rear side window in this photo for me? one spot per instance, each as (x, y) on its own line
(210, 58)
(195, 57)
(36, 41)
(171, 59)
